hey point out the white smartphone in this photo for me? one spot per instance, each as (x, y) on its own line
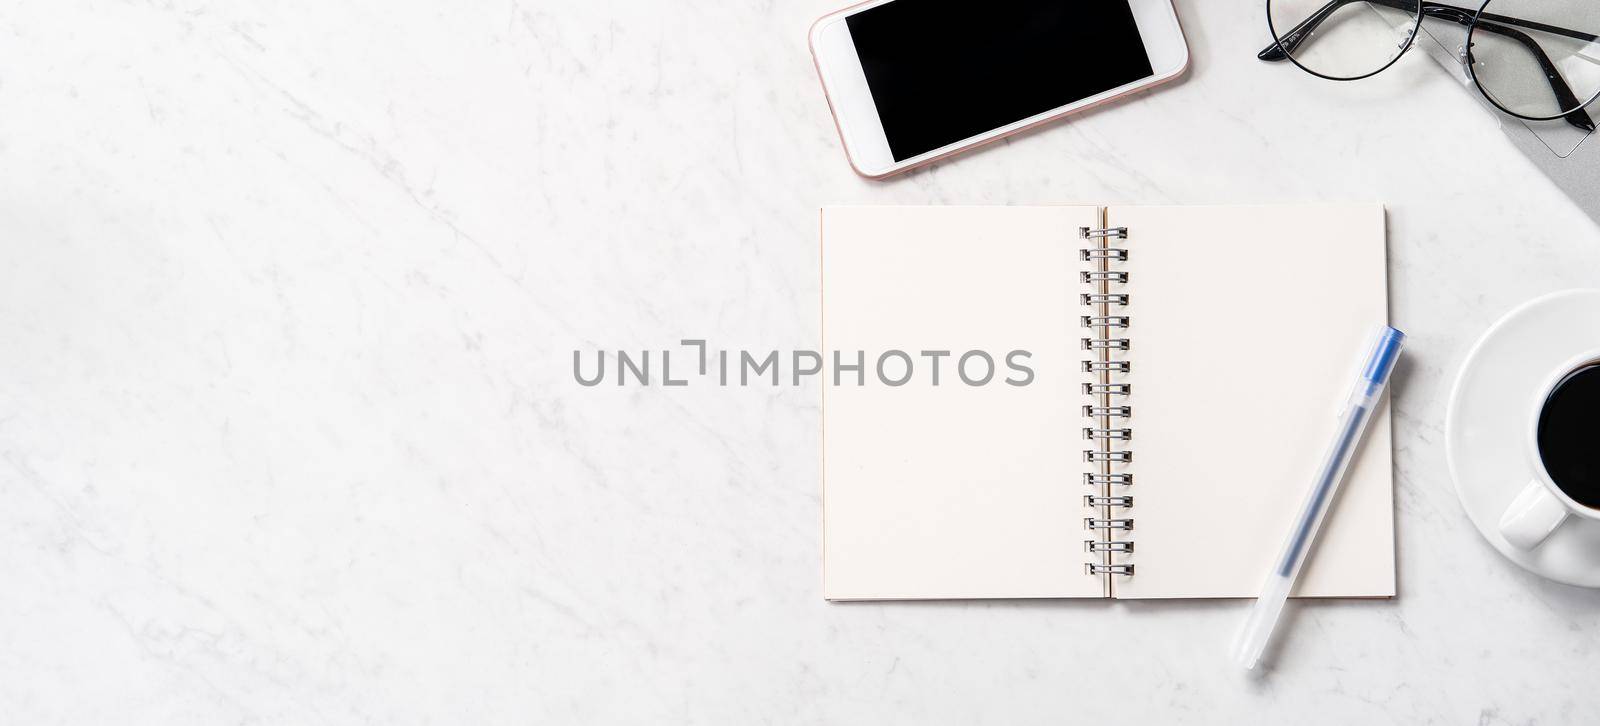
(913, 81)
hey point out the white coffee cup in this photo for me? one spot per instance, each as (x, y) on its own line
(1542, 506)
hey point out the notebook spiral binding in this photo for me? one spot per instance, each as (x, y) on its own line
(1105, 337)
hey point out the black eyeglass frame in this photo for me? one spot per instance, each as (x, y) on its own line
(1489, 22)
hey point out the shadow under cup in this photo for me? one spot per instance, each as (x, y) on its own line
(1568, 434)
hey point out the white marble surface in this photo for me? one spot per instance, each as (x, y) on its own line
(288, 433)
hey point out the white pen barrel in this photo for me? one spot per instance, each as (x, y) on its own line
(1363, 401)
(1252, 639)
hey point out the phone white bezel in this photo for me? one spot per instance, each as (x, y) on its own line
(856, 115)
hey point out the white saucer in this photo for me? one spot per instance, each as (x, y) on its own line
(1486, 426)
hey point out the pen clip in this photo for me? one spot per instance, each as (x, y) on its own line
(1375, 368)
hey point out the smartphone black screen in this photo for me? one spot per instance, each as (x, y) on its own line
(943, 70)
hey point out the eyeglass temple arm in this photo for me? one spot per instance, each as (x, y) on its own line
(1467, 16)
(1291, 40)
(1286, 44)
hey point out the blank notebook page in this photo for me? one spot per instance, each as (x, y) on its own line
(954, 491)
(1248, 326)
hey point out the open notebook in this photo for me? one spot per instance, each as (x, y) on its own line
(1171, 468)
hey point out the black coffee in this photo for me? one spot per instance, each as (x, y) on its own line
(1569, 435)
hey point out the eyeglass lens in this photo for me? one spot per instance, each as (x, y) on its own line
(1537, 58)
(1343, 39)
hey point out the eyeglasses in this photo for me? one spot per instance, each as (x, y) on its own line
(1534, 59)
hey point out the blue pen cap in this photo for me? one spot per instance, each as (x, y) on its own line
(1384, 354)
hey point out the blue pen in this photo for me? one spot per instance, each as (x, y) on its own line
(1252, 639)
